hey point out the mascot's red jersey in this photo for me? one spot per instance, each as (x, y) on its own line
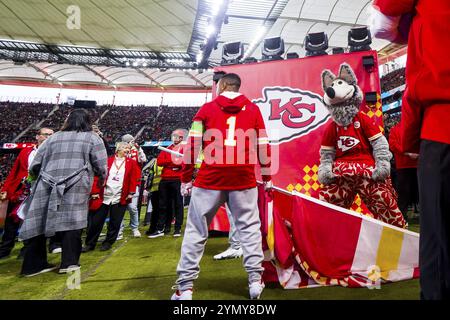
(352, 143)
(229, 155)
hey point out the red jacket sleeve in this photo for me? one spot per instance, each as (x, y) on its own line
(264, 150)
(410, 125)
(394, 7)
(193, 145)
(16, 174)
(136, 176)
(394, 141)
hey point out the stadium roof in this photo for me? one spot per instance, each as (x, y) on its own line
(156, 43)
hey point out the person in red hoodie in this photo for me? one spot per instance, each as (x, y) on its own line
(13, 190)
(425, 123)
(406, 167)
(232, 132)
(112, 198)
(169, 187)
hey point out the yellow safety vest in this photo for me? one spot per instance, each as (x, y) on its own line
(156, 177)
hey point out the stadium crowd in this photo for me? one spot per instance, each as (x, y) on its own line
(393, 80)
(17, 116)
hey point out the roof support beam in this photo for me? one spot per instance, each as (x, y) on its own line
(327, 22)
(97, 74)
(190, 75)
(40, 70)
(150, 78)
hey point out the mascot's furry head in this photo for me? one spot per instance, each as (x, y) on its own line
(342, 95)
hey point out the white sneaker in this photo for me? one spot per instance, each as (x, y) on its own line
(182, 295)
(255, 289)
(56, 250)
(69, 269)
(119, 236)
(136, 233)
(230, 253)
(48, 269)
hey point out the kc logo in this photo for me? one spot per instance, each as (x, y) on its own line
(291, 113)
(345, 143)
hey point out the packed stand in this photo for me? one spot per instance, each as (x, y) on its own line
(393, 80)
(17, 116)
(56, 120)
(6, 163)
(122, 120)
(168, 119)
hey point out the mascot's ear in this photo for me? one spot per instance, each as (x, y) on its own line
(346, 73)
(327, 79)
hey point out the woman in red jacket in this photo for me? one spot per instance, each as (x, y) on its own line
(113, 198)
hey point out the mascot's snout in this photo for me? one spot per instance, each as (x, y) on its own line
(330, 92)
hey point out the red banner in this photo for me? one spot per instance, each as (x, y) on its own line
(289, 94)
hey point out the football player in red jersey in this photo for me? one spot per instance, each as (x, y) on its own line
(232, 131)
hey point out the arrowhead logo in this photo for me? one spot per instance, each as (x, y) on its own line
(346, 143)
(291, 113)
(9, 145)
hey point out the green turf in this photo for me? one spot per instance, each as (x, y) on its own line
(142, 268)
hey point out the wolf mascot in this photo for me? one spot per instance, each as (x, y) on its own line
(354, 155)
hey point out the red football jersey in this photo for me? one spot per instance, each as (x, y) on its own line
(352, 143)
(234, 140)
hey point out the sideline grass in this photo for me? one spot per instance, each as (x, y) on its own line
(142, 268)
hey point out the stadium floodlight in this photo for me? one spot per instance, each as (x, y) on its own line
(359, 39)
(232, 52)
(368, 63)
(272, 49)
(292, 55)
(338, 50)
(371, 97)
(199, 57)
(210, 30)
(316, 44)
(250, 60)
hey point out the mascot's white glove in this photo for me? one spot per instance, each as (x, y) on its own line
(186, 189)
(381, 171)
(382, 157)
(325, 174)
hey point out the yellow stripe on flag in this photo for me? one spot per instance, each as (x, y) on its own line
(271, 238)
(270, 230)
(389, 250)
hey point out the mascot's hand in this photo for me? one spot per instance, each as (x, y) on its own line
(381, 171)
(326, 175)
(186, 189)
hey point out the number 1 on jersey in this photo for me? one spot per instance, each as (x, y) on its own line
(230, 141)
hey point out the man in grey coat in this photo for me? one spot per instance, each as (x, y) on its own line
(64, 168)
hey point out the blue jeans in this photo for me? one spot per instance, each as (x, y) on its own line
(133, 210)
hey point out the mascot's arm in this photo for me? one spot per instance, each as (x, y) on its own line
(382, 157)
(326, 175)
